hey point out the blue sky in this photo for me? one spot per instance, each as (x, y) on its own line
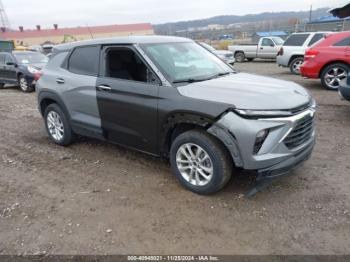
(102, 12)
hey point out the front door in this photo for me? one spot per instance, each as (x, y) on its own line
(127, 97)
(267, 49)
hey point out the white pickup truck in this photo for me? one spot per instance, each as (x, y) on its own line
(267, 48)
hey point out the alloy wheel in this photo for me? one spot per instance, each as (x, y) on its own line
(334, 76)
(23, 84)
(55, 125)
(297, 65)
(194, 164)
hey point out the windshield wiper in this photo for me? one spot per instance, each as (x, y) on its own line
(192, 80)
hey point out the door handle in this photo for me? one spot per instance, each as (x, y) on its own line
(59, 80)
(261, 48)
(104, 88)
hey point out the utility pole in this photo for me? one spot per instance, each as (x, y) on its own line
(310, 15)
(5, 23)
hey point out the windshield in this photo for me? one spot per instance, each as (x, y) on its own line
(278, 40)
(186, 62)
(30, 58)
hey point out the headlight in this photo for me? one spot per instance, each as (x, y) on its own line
(313, 104)
(33, 70)
(262, 113)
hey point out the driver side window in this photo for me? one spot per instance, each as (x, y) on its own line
(124, 63)
(267, 42)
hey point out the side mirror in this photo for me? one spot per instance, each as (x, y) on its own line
(272, 45)
(11, 64)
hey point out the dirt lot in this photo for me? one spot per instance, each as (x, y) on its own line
(97, 198)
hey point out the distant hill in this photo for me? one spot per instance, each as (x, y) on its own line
(169, 28)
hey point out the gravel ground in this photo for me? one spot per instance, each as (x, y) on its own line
(97, 198)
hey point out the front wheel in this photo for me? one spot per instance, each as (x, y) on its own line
(200, 162)
(295, 65)
(57, 126)
(24, 85)
(333, 74)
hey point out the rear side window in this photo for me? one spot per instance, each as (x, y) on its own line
(85, 60)
(315, 38)
(296, 40)
(344, 42)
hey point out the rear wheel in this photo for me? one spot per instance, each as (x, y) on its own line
(239, 57)
(200, 162)
(333, 74)
(57, 125)
(295, 65)
(24, 85)
(2, 85)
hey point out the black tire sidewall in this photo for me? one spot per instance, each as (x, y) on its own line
(218, 180)
(240, 54)
(292, 65)
(323, 80)
(68, 134)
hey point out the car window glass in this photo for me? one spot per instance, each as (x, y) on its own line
(84, 61)
(8, 59)
(315, 39)
(124, 63)
(2, 59)
(343, 42)
(267, 42)
(296, 40)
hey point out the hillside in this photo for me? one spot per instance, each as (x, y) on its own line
(169, 28)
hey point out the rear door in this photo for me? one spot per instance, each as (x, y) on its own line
(127, 95)
(267, 49)
(77, 84)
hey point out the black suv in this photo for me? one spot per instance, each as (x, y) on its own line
(22, 68)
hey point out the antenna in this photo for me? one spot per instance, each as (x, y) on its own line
(3, 16)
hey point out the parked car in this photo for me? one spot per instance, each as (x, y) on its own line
(291, 54)
(169, 97)
(22, 68)
(344, 88)
(328, 60)
(266, 48)
(225, 55)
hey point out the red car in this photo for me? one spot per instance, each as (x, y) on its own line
(328, 60)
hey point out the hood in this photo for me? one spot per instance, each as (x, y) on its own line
(248, 91)
(38, 66)
(223, 52)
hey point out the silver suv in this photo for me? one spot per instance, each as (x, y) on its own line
(291, 54)
(170, 97)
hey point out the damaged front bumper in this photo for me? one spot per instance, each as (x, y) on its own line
(276, 157)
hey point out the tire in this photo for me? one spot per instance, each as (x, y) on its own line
(250, 59)
(336, 72)
(2, 85)
(218, 161)
(295, 65)
(24, 85)
(57, 126)
(239, 57)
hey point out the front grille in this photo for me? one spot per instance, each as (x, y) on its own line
(301, 133)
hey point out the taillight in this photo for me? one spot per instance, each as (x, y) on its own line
(311, 53)
(280, 52)
(37, 75)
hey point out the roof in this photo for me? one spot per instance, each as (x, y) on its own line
(75, 31)
(272, 33)
(327, 19)
(153, 39)
(341, 12)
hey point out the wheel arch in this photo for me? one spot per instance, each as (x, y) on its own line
(339, 61)
(45, 98)
(293, 57)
